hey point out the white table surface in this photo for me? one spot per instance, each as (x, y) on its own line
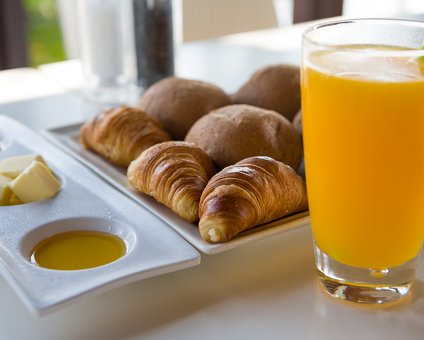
(265, 290)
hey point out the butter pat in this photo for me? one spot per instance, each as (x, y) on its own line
(35, 183)
(13, 166)
(5, 192)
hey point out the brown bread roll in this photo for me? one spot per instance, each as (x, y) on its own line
(235, 132)
(275, 87)
(178, 103)
(121, 134)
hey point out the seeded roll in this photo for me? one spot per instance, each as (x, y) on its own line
(177, 103)
(235, 132)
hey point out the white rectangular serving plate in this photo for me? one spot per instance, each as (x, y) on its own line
(85, 201)
(67, 138)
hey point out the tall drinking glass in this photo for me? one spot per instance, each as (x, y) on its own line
(363, 128)
(106, 34)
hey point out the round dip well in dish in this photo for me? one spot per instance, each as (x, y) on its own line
(78, 243)
(80, 249)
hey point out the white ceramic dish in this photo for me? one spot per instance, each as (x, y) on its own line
(84, 202)
(67, 138)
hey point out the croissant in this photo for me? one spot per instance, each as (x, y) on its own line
(175, 174)
(121, 134)
(254, 191)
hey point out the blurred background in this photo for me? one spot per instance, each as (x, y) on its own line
(44, 36)
(48, 26)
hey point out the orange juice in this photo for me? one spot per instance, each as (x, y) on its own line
(363, 127)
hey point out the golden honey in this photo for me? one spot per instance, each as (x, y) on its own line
(80, 249)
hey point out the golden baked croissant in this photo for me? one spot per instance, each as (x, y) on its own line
(175, 174)
(121, 134)
(254, 191)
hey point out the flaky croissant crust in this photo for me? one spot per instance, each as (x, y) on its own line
(121, 134)
(252, 192)
(175, 174)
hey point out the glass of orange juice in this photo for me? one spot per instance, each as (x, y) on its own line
(363, 130)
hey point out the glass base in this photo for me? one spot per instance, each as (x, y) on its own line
(114, 96)
(363, 285)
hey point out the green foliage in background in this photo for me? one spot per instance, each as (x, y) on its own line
(43, 32)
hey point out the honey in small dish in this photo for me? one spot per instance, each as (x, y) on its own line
(80, 249)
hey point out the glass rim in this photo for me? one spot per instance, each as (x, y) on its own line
(329, 23)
